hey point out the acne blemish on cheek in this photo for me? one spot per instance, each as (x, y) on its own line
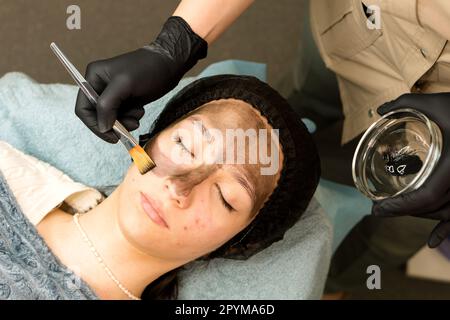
(185, 228)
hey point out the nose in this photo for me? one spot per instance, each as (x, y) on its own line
(178, 192)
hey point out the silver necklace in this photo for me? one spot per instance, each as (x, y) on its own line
(100, 260)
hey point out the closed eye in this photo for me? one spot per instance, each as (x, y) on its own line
(179, 141)
(224, 202)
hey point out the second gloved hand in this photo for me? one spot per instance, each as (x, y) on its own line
(129, 81)
(432, 199)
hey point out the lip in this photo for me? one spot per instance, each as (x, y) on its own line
(149, 206)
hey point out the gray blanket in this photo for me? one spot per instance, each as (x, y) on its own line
(28, 268)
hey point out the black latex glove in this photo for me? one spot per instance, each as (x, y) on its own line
(129, 81)
(432, 199)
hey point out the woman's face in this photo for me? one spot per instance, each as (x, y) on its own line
(191, 203)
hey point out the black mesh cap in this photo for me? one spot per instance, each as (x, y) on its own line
(300, 172)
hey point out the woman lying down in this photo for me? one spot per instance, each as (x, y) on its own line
(198, 203)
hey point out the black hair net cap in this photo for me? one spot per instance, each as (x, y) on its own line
(301, 165)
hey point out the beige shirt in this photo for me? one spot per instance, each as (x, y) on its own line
(39, 187)
(374, 66)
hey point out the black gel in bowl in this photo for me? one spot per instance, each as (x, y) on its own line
(396, 154)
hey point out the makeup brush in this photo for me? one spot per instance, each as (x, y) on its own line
(140, 157)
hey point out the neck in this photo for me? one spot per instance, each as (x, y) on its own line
(132, 267)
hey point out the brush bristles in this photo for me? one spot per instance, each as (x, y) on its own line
(142, 159)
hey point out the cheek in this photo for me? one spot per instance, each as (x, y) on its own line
(198, 223)
(131, 178)
(134, 224)
(134, 228)
(199, 217)
(204, 233)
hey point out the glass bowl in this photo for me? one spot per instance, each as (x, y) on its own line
(396, 154)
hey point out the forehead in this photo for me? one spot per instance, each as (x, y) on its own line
(232, 114)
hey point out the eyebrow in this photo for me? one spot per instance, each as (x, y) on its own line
(241, 178)
(205, 132)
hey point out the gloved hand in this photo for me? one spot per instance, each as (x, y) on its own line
(432, 199)
(129, 81)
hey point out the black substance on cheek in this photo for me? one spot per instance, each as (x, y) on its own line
(402, 162)
(186, 181)
(184, 177)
